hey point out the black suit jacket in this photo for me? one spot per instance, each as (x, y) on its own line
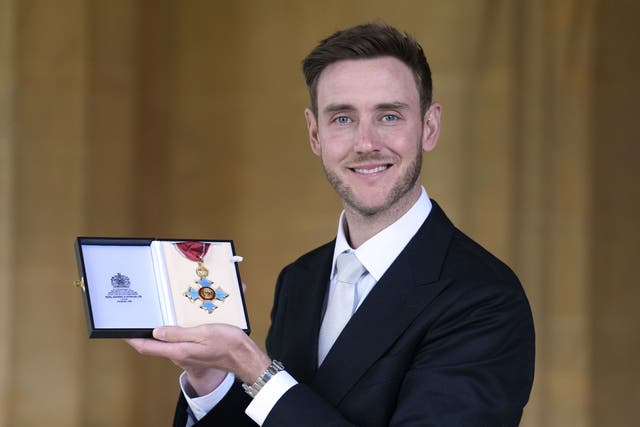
(445, 338)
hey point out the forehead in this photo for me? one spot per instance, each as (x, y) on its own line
(364, 82)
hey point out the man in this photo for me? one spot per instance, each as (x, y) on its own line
(430, 329)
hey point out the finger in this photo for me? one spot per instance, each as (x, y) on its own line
(244, 287)
(149, 347)
(136, 343)
(178, 334)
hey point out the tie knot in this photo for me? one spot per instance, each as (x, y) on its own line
(348, 268)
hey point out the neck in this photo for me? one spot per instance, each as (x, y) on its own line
(361, 228)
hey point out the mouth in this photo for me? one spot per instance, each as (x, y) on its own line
(370, 170)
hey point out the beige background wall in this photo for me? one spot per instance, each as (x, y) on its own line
(184, 119)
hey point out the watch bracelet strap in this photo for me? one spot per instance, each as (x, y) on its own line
(273, 368)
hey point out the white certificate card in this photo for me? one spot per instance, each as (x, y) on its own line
(122, 287)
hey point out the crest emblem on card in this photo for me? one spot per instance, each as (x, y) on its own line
(121, 289)
(120, 281)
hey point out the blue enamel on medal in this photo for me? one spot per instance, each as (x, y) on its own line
(203, 290)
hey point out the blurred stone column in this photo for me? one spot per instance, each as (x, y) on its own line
(49, 128)
(7, 142)
(615, 224)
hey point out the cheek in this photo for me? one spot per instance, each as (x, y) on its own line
(406, 143)
(338, 135)
(402, 145)
(333, 153)
(335, 145)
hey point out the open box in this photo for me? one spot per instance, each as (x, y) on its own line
(131, 286)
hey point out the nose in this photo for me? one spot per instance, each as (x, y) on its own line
(366, 139)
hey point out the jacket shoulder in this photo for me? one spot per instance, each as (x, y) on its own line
(313, 258)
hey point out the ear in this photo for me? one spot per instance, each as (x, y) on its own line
(312, 128)
(431, 127)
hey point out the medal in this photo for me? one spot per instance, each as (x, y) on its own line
(203, 290)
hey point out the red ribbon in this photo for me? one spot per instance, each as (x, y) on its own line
(194, 251)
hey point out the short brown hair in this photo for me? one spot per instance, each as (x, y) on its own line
(366, 41)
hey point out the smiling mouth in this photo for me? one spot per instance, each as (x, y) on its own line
(370, 171)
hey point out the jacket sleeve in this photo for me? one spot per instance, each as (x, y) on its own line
(228, 412)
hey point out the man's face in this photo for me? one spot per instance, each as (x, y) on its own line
(370, 134)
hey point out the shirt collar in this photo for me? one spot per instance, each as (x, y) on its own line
(379, 252)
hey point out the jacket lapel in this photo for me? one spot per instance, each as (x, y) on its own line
(305, 314)
(408, 286)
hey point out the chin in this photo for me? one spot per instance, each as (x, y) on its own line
(369, 209)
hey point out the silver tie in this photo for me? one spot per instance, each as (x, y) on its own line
(342, 301)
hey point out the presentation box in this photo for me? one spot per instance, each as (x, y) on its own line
(131, 286)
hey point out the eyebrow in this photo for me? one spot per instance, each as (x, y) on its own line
(392, 106)
(332, 108)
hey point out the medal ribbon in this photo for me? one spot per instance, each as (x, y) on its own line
(194, 251)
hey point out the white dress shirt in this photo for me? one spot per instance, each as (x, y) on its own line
(376, 255)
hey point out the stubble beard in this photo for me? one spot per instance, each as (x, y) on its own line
(398, 191)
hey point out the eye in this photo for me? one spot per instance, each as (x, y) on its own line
(389, 118)
(342, 120)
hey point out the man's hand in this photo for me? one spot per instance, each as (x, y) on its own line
(206, 353)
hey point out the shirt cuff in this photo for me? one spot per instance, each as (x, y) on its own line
(268, 396)
(200, 406)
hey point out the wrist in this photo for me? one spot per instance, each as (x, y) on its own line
(250, 361)
(201, 382)
(254, 388)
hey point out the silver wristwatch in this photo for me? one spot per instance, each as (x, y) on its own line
(271, 370)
